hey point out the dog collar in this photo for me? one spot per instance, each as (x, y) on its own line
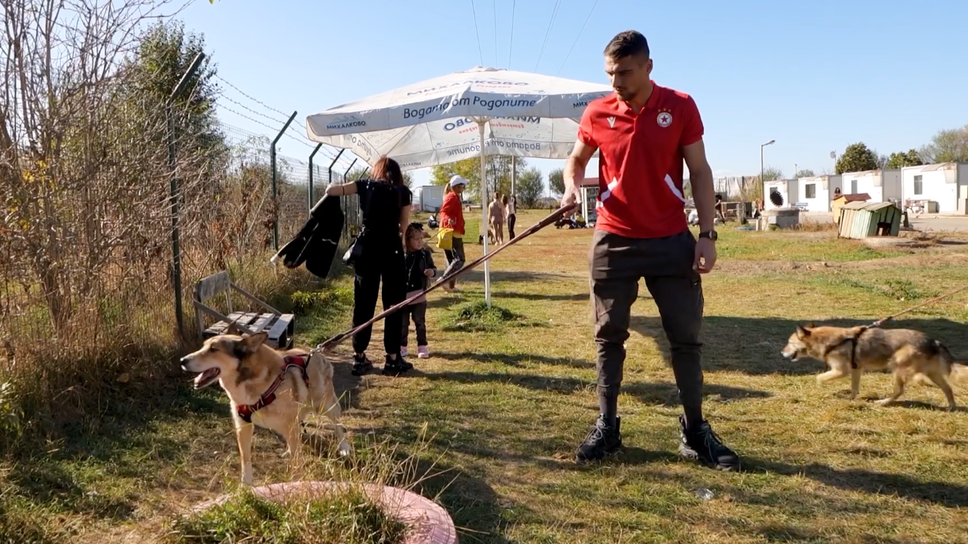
(301, 362)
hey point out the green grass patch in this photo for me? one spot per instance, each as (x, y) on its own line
(343, 517)
(321, 312)
(478, 317)
(794, 246)
(897, 289)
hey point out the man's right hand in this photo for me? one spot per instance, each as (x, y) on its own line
(570, 198)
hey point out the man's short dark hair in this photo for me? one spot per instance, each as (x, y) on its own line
(627, 44)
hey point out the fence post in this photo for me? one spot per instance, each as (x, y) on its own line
(348, 170)
(329, 181)
(329, 175)
(275, 189)
(311, 172)
(172, 167)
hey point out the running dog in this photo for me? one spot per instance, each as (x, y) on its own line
(910, 355)
(269, 388)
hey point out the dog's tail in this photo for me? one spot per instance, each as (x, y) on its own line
(958, 372)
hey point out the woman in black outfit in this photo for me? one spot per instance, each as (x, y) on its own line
(385, 202)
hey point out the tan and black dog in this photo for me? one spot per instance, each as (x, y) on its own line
(849, 351)
(273, 389)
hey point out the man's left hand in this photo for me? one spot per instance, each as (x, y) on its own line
(705, 255)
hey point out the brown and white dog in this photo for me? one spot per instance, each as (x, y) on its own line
(910, 355)
(273, 389)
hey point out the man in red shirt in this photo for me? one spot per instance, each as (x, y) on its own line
(644, 132)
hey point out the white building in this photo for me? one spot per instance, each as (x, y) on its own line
(817, 191)
(881, 185)
(936, 187)
(428, 198)
(789, 190)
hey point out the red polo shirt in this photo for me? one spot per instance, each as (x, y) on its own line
(640, 163)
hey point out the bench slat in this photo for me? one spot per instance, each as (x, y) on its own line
(241, 318)
(263, 322)
(278, 328)
(281, 332)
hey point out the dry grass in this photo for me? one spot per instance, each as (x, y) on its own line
(118, 342)
(502, 405)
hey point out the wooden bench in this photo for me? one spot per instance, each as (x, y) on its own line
(279, 326)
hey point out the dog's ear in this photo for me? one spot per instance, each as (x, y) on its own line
(251, 342)
(803, 331)
(248, 345)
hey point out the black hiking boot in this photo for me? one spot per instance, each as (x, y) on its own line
(361, 365)
(702, 444)
(601, 441)
(395, 367)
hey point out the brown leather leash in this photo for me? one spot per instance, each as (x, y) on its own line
(332, 342)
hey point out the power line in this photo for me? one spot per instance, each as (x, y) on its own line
(494, 7)
(511, 46)
(478, 32)
(554, 14)
(578, 36)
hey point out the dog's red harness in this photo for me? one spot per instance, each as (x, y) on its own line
(301, 362)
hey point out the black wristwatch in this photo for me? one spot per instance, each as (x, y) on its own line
(711, 234)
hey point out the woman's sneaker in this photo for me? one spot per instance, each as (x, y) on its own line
(395, 367)
(422, 352)
(361, 365)
(404, 351)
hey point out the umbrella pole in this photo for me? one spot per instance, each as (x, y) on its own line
(487, 272)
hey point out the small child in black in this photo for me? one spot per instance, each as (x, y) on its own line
(420, 267)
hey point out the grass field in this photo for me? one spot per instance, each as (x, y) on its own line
(492, 420)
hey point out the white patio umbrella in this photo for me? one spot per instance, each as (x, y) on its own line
(483, 111)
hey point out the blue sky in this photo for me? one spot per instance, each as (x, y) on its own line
(815, 76)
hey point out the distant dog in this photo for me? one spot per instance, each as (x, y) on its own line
(910, 355)
(273, 389)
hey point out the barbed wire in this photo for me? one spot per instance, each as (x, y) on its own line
(248, 109)
(256, 100)
(324, 151)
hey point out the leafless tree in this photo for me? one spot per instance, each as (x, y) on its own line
(80, 164)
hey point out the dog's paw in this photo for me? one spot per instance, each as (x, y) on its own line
(344, 449)
(884, 402)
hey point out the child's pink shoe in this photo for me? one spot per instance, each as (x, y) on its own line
(423, 352)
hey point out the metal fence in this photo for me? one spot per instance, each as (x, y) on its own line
(225, 222)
